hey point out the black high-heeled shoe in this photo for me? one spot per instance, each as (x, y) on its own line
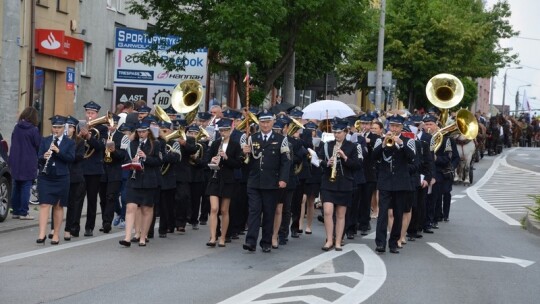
(55, 242)
(41, 241)
(67, 238)
(125, 243)
(211, 244)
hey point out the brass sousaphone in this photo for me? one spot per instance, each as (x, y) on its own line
(186, 98)
(445, 91)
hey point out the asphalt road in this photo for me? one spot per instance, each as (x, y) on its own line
(461, 263)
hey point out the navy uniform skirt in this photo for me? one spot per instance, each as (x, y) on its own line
(340, 198)
(216, 187)
(53, 188)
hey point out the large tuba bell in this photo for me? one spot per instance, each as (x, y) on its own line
(444, 91)
(294, 126)
(186, 98)
(466, 124)
(107, 119)
(160, 114)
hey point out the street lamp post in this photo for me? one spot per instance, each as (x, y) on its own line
(504, 84)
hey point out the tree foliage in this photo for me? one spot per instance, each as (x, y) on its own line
(265, 32)
(427, 37)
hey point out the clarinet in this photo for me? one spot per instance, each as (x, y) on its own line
(219, 150)
(133, 175)
(44, 171)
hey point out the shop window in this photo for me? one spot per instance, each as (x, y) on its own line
(85, 62)
(62, 6)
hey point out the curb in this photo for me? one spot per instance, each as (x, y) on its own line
(532, 225)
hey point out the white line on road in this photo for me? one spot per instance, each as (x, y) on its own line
(32, 253)
(458, 196)
(353, 275)
(300, 299)
(449, 254)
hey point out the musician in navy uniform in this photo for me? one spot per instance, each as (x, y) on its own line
(143, 184)
(111, 180)
(269, 165)
(203, 120)
(226, 154)
(369, 168)
(393, 181)
(55, 154)
(92, 165)
(339, 157)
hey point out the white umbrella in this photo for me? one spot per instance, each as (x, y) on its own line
(324, 109)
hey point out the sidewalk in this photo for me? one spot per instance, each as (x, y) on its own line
(15, 224)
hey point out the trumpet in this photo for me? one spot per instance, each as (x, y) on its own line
(335, 156)
(44, 171)
(389, 141)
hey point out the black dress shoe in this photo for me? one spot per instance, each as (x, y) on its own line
(75, 233)
(162, 235)
(283, 241)
(380, 249)
(125, 243)
(411, 239)
(135, 240)
(228, 239)
(142, 244)
(320, 218)
(326, 248)
(107, 228)
(275, 247)
(221, 245)
(202, 223)
(88, 232)
(428, 231)
(394, 250)
(350, 236)
(309, 232)
(339, 249)
(266, 249)
(211, 244)
(300, 231)
(55, 242)
(41, 241)
(249, 247)
(446, 219)
(435, 226)
(294, 234)
(67, 238)
(235, 236)
(363, 232)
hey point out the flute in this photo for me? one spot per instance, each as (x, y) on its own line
(44, 171)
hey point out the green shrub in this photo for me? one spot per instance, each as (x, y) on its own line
(535, 209)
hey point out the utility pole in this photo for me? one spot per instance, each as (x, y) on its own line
(380, 57)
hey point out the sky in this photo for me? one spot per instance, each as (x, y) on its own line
(527, 45)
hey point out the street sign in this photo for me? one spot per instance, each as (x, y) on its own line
(386, 78)
(70, 78)
(371, 95)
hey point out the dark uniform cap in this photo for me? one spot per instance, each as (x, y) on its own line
(265, 115)
(351, 120)
(374, 114)
(416, 119)
(366, 118)
(72, 121)
(91, 105)
(406, 127)
(164, 124)
(232, 114)
(126, 127)
(286, 119)
(311, 125)
(295, 113)
(179, 123)
(58, 120)
(170, 110)
(144, 125)
(204, 116)
(144, 109)
(254, 110)
(193, 128)
(339, 124)
(434, 110)
(279, 124)
(396, 119)
(151, 118)
(428, 118)
(224, 123)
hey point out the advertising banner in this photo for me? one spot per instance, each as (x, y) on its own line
(134, 80)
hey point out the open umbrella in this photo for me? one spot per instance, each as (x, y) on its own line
(324, 109)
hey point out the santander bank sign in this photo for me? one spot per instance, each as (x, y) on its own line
(55, 43)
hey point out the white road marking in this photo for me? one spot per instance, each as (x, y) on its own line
(372, 279)
(352, 275)
(62, 246)
(503, 259)
(452, 201)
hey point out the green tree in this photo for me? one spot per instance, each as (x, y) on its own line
(265, 32)
(427, 37)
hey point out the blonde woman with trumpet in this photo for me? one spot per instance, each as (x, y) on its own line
(226, 156)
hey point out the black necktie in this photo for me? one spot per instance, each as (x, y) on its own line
(265, 137)
(56, 141)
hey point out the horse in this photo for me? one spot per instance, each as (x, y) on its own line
(493, 136)
(517, 130)
(466, 149)
(480, 142)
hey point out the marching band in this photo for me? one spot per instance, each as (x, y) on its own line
(242, 171)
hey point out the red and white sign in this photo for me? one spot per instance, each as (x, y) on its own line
(55, 43)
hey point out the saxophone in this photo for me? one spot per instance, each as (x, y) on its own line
(335, 156)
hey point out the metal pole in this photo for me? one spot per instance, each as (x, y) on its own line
(380, 59)
(504, 90)
(491, 96)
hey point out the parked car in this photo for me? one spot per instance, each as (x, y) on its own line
(5, 181)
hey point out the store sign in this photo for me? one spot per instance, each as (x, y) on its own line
(70, 79)
(130, 72)
(55, 43)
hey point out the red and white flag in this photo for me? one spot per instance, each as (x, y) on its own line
(246, 78)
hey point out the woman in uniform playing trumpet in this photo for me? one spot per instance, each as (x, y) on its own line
(143, 184)
(227, 157)
(56, 152)
(338, 158)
